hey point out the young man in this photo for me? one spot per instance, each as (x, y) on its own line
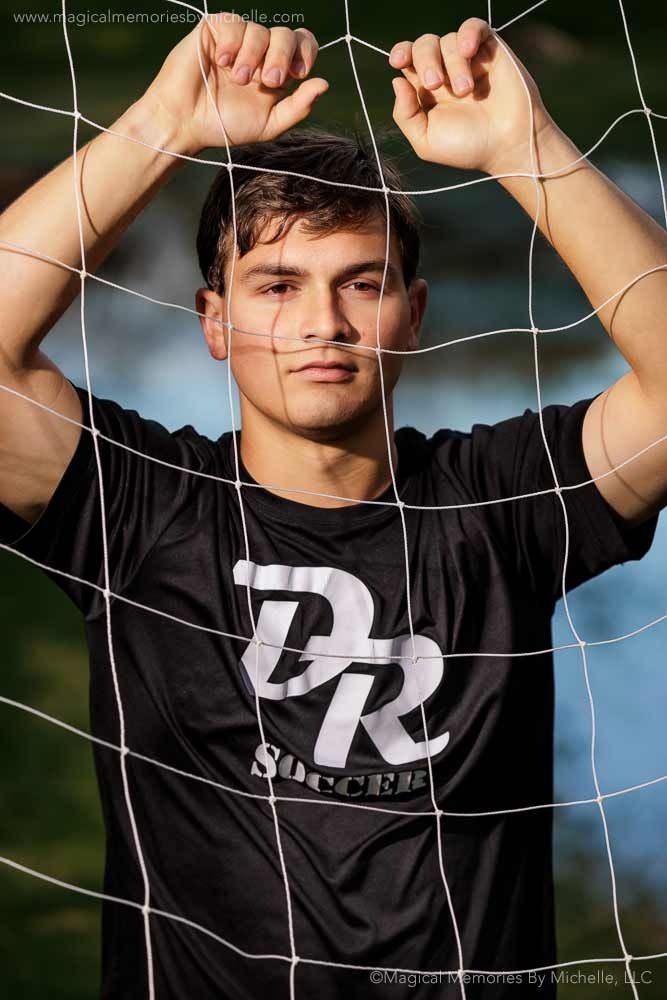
(305, 876)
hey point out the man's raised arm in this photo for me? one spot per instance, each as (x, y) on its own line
(480, 118)
(248, 68)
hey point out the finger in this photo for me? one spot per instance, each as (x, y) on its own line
(250, 55)
(427, 60)
(295, 107)
(278, 57)
(401, 55)
(456, 65)
(228, 39)
(408, 113)
(307, 48)
(472, 33)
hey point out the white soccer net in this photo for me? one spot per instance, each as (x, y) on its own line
(463, 973)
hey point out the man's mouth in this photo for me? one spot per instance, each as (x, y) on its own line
(320, 370)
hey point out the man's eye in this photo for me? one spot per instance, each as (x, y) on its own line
(278, 289)
(364, 286)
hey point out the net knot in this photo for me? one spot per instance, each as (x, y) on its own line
(124, 751)
(348, 37)
(259, 642)
(229, 166)
(534, 330)
(582, 643)
(558, 490)
(295, 959)
(400, 504)
(439, 812)
(629, 958)
(648, 112)
(106, 593)
(94, 431)
(145, 909)
(83, 274)
(237, 485)
(272, 800)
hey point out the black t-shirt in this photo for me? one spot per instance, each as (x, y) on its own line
(341, 719)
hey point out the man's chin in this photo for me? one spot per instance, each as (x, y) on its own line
(325, 423)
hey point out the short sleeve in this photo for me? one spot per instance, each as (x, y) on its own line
(508, 459)
(142, 495)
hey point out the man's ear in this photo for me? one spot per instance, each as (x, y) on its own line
(418, 296)
(211, 309)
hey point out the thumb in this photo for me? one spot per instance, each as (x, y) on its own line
(295, 107)
(408, 112)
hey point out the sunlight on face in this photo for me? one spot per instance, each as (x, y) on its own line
(321, 292)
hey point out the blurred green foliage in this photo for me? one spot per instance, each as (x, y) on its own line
(51, 818)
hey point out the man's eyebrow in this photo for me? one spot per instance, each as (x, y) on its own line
(364, 266)
(285, 271)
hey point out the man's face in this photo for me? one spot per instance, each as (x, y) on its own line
(321, 293)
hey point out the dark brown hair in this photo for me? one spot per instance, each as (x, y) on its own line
(275, 198)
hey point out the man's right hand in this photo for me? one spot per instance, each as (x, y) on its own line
(248, 69)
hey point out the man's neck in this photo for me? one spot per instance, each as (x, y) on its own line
(353, 465)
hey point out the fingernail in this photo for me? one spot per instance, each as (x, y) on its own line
(300, 67)
(461, 84)
(274, 75)
(399, 54)
(224, 59)
(243, 74)
(431, 78)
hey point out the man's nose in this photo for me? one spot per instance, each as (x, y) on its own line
(325, 319)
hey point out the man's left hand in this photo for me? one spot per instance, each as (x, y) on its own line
(464, 102)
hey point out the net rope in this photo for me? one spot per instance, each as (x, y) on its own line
(123, 749)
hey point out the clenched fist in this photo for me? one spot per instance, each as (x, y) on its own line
(465, 100)
(248, 69)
